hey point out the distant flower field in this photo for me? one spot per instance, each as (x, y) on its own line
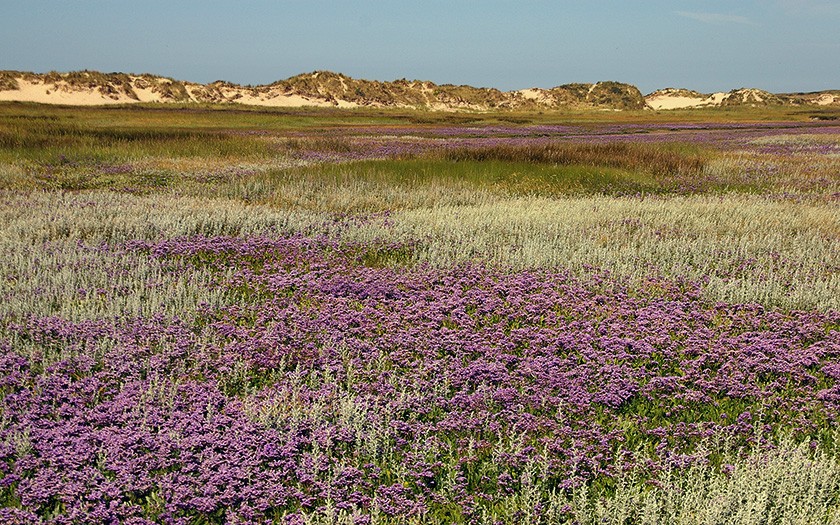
(340, 322)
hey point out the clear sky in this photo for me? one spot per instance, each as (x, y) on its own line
(709, 45)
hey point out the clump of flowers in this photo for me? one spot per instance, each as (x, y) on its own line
(332, 382)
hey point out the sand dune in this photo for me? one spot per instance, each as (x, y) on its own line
(29, 91)
(62, 93)
(682, 99)
(327, 89)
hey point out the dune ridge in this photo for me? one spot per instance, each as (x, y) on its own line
(329, 89)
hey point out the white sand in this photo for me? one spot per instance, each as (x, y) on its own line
(539, 95)
(283, 101)
(664, 100)
(826, 99)
(145, 94)
(35, 90)
(673, 102)
(718, 98)
(531, 94)
(60, 94)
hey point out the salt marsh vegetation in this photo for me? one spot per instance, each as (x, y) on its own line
(300, 317)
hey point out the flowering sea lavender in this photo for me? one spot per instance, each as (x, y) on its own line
(358, 143)
(329, 384)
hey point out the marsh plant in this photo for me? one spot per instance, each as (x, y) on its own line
(246, 317)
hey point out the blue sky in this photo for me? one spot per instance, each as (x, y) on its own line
(779, 45)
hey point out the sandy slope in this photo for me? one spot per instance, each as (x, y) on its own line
(327, 89)
(827, 99)
(61, 94)
(320, 88)
(48, 93)
(665, 100)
